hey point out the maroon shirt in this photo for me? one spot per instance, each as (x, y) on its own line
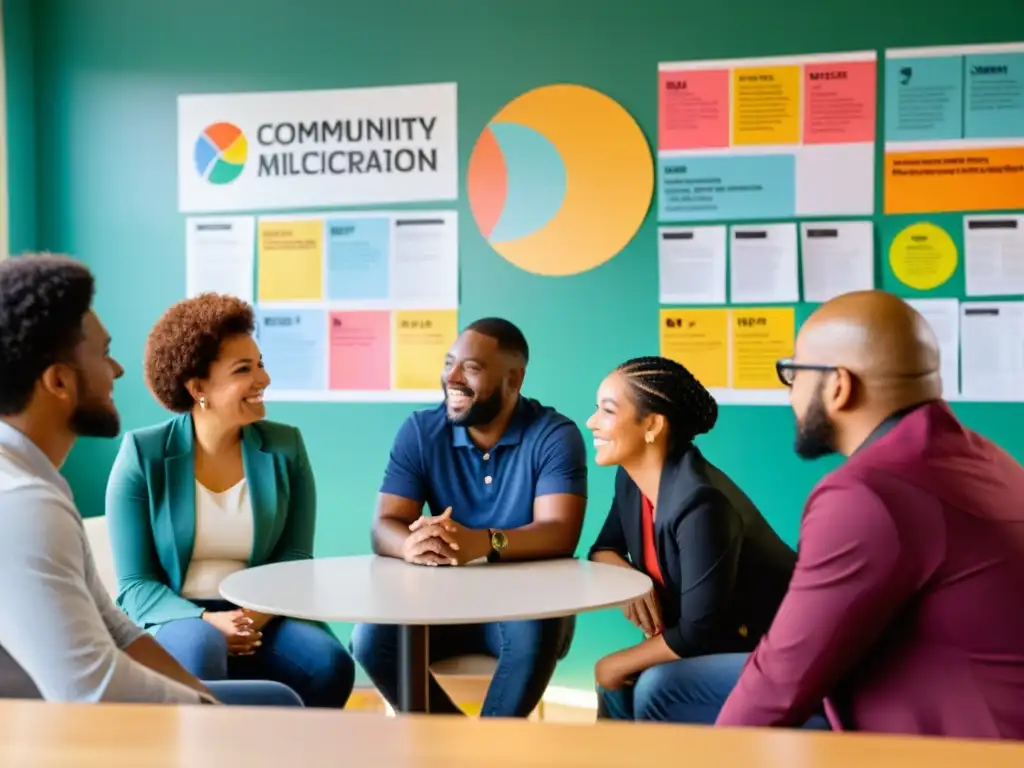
(906, 609)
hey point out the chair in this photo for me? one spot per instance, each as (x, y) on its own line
(99, 543)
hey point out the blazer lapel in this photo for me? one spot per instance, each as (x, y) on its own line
(180, 474)
(262, 480)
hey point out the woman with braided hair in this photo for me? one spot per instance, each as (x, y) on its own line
(719, 570)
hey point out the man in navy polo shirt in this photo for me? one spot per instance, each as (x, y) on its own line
(504, 478)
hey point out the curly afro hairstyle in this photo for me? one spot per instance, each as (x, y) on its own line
(43, 299)
(185, 342)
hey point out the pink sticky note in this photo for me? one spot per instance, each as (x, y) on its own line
(839, 102)
(360, 350)
(693, 109)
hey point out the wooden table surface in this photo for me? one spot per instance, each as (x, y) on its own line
(36, 734)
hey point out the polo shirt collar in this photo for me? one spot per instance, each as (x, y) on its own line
(888, 426)
(512, 435)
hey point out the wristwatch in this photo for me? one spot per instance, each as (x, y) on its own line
(498, 543)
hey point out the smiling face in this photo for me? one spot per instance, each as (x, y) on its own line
(94, 413)
(619, 433)
(234, 388)
(476, 380)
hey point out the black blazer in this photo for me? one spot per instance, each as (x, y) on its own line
(725, 569)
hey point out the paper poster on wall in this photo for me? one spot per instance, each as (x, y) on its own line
(560, 180)
(991, 340)
(302, 149)
(994, 255)
(763, 264)
(954, 128)
(731, 351)
(357, 306)
(219, 253)
(691, 265)
(943, 315)
(838, 257)
(923, 256)
(746, 139)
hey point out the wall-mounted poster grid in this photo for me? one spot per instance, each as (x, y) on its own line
(954, 128)
(351, 307)
(766, 138)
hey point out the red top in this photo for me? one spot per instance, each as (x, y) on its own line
(904, 610)
(650, 550)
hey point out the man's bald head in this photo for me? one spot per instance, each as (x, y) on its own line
(874, 335)
(860, 358)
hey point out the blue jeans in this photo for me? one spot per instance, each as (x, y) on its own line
(302, 655)
(253, 693)
(527, 652)
(686, 691)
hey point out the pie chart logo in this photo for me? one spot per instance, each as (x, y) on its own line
(220, 153)
(560, 180)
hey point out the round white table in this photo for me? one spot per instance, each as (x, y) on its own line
(382, 590)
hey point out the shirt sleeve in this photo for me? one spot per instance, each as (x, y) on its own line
(709, 538)
(51, 624)
(851, 577)
(122, 630)
(563, 465)
(296, 542)
(404, 475)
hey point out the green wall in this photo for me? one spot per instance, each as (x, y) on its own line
(106, 74)
(19, 62)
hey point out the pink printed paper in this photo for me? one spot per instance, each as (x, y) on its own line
(693, 109)
(360, 350)
(839, 102)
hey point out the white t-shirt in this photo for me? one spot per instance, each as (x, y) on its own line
(223, 541)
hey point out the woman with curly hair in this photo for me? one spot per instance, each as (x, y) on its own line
(719, 570)
(214, 490)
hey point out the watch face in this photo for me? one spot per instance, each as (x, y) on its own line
(498, 540)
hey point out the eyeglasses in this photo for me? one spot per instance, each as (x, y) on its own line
(786, 369)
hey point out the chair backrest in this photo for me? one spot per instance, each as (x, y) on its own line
(99, 543)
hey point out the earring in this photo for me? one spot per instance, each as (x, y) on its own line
(649, 437)
(202, 403)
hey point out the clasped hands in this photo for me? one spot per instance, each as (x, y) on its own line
(442, 541)
(243, 629)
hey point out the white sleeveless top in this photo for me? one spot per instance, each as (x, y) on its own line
(224, 538)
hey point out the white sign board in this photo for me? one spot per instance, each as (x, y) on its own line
(303, 149)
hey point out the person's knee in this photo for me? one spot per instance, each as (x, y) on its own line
(650, 689)
(255, 693)
(374, 647)
(333, 668)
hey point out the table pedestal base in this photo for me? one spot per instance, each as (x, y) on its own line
(413, 668)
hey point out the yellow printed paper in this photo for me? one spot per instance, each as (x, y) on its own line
(422, 338)
(290, 258)
(760, 337)
(766, 105)
(699, 340)
(923, 256)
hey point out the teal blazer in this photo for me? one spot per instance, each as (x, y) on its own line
(151, 515)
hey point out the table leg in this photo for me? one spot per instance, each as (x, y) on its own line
(413, 668)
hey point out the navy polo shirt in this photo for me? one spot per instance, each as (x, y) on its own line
(436, 463)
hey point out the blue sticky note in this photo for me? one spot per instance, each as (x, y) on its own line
(294, 347)
(994, 101)
(924, 98)
(357, 258)
(726, 187)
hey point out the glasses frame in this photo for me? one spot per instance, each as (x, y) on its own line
(787, 364)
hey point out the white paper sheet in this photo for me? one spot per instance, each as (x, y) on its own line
(943, 315)
(691, 265)
(220, 255)
(838, 257)
(425, 260)
(992, 350)
(763, 264)
(994, 255)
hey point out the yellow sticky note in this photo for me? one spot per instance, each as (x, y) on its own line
(421, 340)
(699, 340)
(290, 259)
(923, 256)
(761, 336)
(766, 105)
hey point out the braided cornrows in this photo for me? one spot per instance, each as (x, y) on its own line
(660, 385)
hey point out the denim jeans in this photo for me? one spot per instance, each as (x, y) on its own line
(527, 652)
(686, 691)
(253, 693)
(302, 655)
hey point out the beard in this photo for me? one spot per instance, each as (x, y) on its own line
(92, 416)
(480, 413)
(815, 433)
